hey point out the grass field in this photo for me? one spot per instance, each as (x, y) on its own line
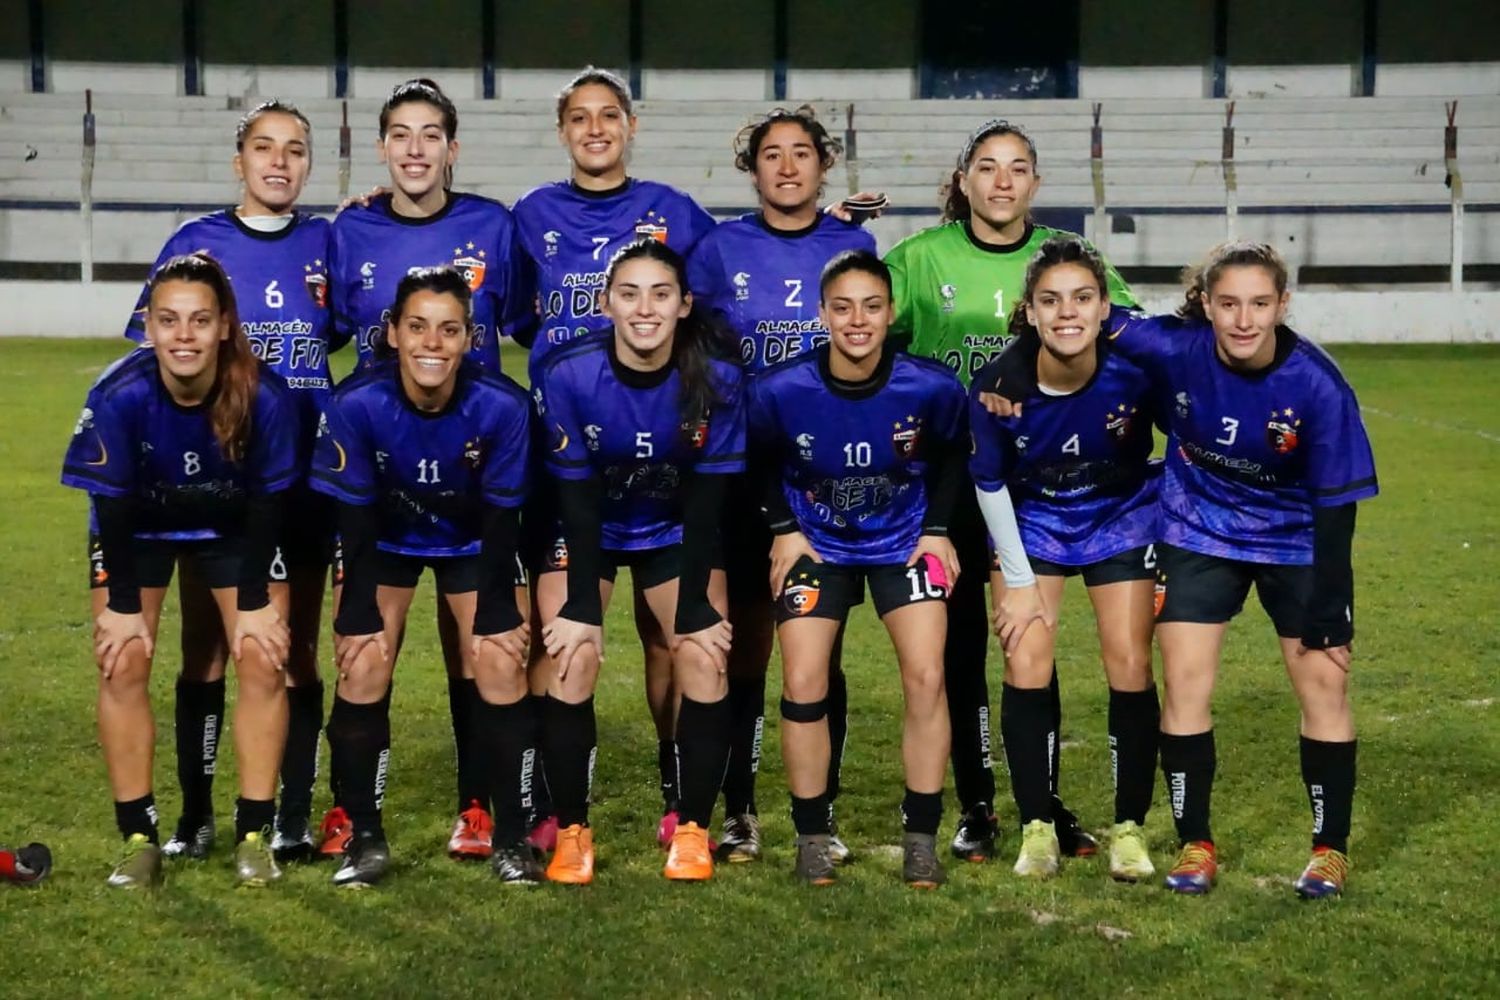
(1420, 918)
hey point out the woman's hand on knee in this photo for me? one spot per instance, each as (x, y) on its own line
(347, 650)
(1015, 611)
(714, 641)
(266, 627)
(113, 631)
(565, 639)
(513, 644)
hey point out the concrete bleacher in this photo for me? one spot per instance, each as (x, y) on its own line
(1335, 181)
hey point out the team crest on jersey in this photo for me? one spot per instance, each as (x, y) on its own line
(367, 275)
(591, 436)
(805, 446)
(474, 453)
(742, 286)
(1118, 422)
(549, 242)
(696, 433)
(652, 226)
(1184, 404)
(906, 438)
(317, 284)
(800, 595)
(470, 265)
(1284, 431)
(948, 293)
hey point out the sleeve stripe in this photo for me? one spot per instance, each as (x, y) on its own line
(1346, 488)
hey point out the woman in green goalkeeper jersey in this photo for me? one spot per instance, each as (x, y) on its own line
(954, 286)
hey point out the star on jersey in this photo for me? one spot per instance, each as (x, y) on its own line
(471, 265)
(906, 437)
(1283, 431)
(652, 225)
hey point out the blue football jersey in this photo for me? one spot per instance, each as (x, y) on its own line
(280, 283)
(1078, 466)
(374, 248)
(1249, 456)
(570, 235)
(765, 282)
(626, 427)
(132, 440)
(430, 473)
(853, 462)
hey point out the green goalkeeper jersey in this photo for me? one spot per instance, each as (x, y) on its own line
(954, 294)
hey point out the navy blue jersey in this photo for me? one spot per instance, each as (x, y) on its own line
(374, 248)
(1077, 465)
(280, 283)
(765, 282)
(570, 235)
(430, 473)
(134, 441)
(1250, 455)
(626, 428)
(853, 462)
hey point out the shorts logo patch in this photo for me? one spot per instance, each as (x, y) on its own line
(1159, 597)
(906, 438)
(557, 558)
(97, 572)
(800, 595)
(1283, 431)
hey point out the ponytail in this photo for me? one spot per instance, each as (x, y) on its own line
(1201, 277)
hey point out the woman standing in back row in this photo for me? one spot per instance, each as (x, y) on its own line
(954, 287)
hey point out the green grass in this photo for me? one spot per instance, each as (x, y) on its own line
(1420, 917)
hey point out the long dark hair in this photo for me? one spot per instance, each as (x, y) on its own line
(955, 203)
(236, 372)
(443, 280)
(748, 140)
(1200, 277)
(424, 91)
(1055, 251)
(700, 336)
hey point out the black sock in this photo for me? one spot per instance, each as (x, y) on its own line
(473, 785)
(1187, 764)
(252, 816)
(507, 737)
(299, 762)
(1328, 772)
(1026, 729)
(570, 738)
(747, 724)
(200, 722)
(964, 653)
(922, 812)
(666, 771)
(810, 816)
(361, 739)
(1054, 749)
(702, 753)
(838, 726)
(1134, 727)
(137, 816)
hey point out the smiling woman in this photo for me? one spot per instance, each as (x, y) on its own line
(181, 451)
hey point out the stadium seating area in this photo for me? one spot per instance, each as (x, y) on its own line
(1330, 179)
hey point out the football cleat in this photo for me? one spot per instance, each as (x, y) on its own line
(473, 834)
(1039, 855)
(1072, 839)
(1129, 858)
(191, 840)
(814, 865)
(978, 829)
(543, 836)
(140, 865)
(689, 859)
(1196, 868)
(254, 863)
(334, 833)
(366, 860)
(1324, 874)
(26, 865)
(293, 841)
(741, 838)
(517, 864)
(573, 859)
(920, 867)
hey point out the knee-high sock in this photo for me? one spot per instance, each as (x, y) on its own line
(702, 753)
(570, 739)
(200, 722)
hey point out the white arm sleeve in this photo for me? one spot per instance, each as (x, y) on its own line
(1000, 518)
